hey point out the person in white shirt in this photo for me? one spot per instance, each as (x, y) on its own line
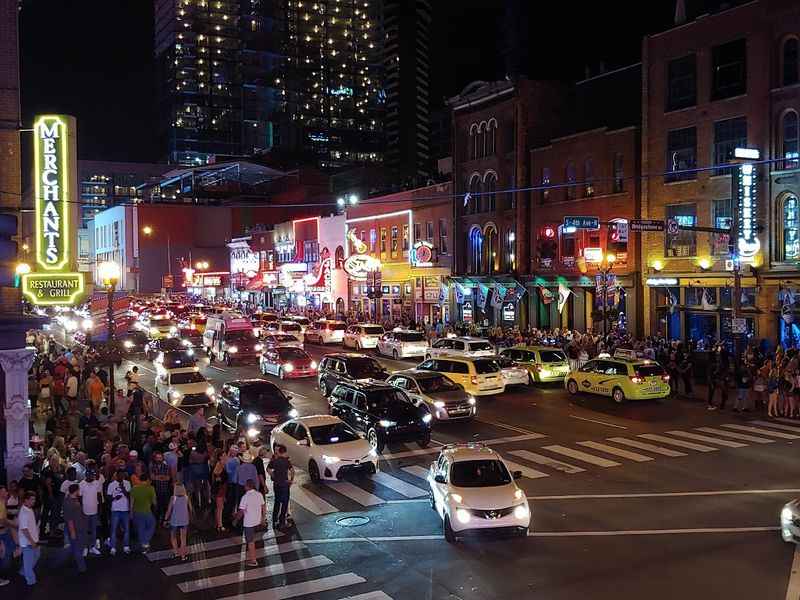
(119, 493)
(71, 387)
(91, 497)
(29, 538)
(253, 511)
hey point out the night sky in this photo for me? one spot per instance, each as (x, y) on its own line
(94, 58)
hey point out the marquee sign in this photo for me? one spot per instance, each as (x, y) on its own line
(422, 254)
(358, 265)
(50, 283)
(746, 188)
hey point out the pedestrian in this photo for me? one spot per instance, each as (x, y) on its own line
(253, 513)
(7, 544)
(29, 538)
(46, 391)
(96, 392)
(178, 515)
(714, 374)
(71, 389)
(197, 421)
(742, 389)
(119, 492)
(773, 383)
(75, 526)
(161, 477)
(88, 424)
(246, 470)
(219, 488)
(282, 474)
(143, 501)
(91, 491)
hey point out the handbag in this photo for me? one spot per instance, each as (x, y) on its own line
(759, 385)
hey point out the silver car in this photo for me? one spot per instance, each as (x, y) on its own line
(446, 401)
(790, 521)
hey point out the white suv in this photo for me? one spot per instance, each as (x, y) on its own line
(402, 343)
(472, 489)
(362, 336)
(470, 347)
(325, 332)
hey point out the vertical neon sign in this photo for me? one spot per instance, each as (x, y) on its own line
(51, 183)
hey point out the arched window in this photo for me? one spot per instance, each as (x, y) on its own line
(791, 61)
(489, 202)
(490, 254)
(790, 138)
(790, 230)
(474, 188)
(475, 250)
(570, 177)
(491, 142)
(508, 251)
(481, 140)
(473, 141)
(588, 176)
(339, 257)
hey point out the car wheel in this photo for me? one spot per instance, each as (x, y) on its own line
(431, 499)
(263, 369)
(523, 533)
(449, 534)
(618, 395)
(394, 354)
(424, 442)
(572, 387)
(375, 441)
(530, 379)
(281, 374)
(228, 360)
(313, 472)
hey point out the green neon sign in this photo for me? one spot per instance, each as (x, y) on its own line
(48, 289)
(51, 183)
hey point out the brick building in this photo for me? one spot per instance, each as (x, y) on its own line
(720, 81)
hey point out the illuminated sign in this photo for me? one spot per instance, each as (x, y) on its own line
(661, 281)
(509, 311)
(746, 193)
(51, 284)
(594, 255)
(422, 254)
(243, 260)
(359, 246)
(358, 265)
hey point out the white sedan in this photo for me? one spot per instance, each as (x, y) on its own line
(186, 388)
(362, 336)
(513, 372)
(402, 343)
(325, 447)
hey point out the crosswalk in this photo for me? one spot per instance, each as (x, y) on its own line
(287, 569)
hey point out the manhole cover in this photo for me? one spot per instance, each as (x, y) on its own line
(352, 521)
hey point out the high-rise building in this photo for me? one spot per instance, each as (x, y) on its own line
(215, 65)
(406, 65)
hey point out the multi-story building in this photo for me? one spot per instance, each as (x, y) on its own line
(721, 81)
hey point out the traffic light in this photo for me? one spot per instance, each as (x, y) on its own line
(8, 249)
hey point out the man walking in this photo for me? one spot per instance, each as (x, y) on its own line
(119, 492)
(282, 473)
(91, 493)
(143, 501)
(75, 526)
(161, 476)
(29, 538)
(253, 512)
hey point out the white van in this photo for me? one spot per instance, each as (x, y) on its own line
(230, 337)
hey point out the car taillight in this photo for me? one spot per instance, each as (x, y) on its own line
(474, 380)
(537, 368)
(636, 379)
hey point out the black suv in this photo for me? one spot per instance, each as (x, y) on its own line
(155, 347)
(133, 341)
(342, 367)
(255, 405)
(385, 413)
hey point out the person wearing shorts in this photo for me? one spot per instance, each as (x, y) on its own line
(178, 515)
(253, 512)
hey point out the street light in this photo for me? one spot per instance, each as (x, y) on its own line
(22, 269)
(608, 261)
(109, 273)
(148, 231)
(340, 202)
(202, 265)
(353, 199)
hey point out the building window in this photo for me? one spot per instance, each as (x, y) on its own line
(473, 141)
(729, 69)
(790, 213)
(619, 173)
(443, 236)
(475, 250)
(508, 251)
(491, 142)
(728, 135)
(588, 176)
(429, 231)
(722, 216)
(490, 242)
(790, 138)
(490, 188)
(481, 152)
(617, 240)
(383, 240)
(681, 154)
(569, 247)
(571, 177)
(681, 83)
(405, 239)
(417, 231)
(395, 232)
(474, 194)
(791, 61)
(545, 183)
(373, 235)
(340, 256)
(685, 242)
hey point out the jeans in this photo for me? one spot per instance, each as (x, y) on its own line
(145, 524)
(91, 529)
(120, 517)
(7, 541)
(76, 549)
(281, 505)
(30, 556)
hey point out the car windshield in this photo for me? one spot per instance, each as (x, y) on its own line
(171, 344)
(180, 378)
(432, 385)
(292, 354)
(365, 368)
(336, 326)
(263, 398)
(284, 338)
(412, 336)
(178, 359)
(391, 402)
(479, 346)
(479, 473)
(551, 356)
(373, 330)
(334, 433)
(245, 335)
(290, 327)
(652, 370)
(482, 367)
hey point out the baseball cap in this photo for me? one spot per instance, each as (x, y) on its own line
(133, 454)
(173, 446)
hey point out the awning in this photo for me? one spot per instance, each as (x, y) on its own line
(573, 281)
(506, 282)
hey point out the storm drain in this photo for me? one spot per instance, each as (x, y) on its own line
(352, 521)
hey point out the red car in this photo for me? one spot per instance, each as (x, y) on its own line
(287, 362)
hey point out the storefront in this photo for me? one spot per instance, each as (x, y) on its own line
(209, 285)
(488, 300)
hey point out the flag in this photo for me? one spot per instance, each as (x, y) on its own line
(459, 294)
(547, 295)
(563, 296)
(442, 293)
(498, 295)
(467, 197)
(672, 301)
(787, 306)
(483, 295)
(705, 301)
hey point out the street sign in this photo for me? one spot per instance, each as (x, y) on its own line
(672, 227)
(582, 222)
(646, 225)
(739, 325)
(167, 281)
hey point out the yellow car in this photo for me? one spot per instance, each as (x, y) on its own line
(544, 363)
(623, 377)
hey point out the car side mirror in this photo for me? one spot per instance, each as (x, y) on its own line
(439, 479)
(517, 474)
(302, 442)
(288, 395)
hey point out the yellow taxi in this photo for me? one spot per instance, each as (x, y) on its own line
(544, 363)
(623, 377)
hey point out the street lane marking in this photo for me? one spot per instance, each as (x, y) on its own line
(679, 443)
(584, 456)
(292, 590)
(634, 456)
(762, 431)
(217, 368)
(776, 426)
(651, 532)
(547, 461)
(785, 420)
(596, 421)
(417, 471)
(736, 436)
(363, 497)
(710, 440)
(230, 559)
(212, 545)
(526, 471)
(511, 427)
(793, 587)
(645, 446)
(298, 395)
(663, 494)
(503, 440)
(377, 595)
(268, 570)
(398, 485)
(311, 502)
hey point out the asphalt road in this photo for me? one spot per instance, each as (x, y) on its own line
(647, 499)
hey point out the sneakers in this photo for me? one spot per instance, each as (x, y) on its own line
(4, 582)
(126, 550)
(94, 551)
(145, 547)
(113, 552)
(711, 408)
(85, 553)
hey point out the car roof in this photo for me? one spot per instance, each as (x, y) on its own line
(417, 373)
(240, 383)
(347, 355)
(368, 385)
(316, 420)
(184, 370)
(462, 452)
(536, 348)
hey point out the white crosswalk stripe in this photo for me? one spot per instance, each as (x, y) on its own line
(736, 436)
(634, 456)
(762, 431)
(645, 446)
(377, 595)
(417, 471)
(398, 485)
(794, 429)
(268, 570)
(292, 590)
(546, 461)
(710, 440)
(311, 502)
(229, 559)
(526, 471)
(584, 456)
(674, 442)
(362, 497)
(212, 545)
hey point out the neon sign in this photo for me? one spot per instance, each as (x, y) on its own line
(422, 254)
(746, 189)
(358, 265)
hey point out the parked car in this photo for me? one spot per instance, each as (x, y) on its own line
(362, 336)
(325, 332)
(402, 343)
(461, 346)
(445, 400)
(257, 405)
(347, 366)
(287, 362)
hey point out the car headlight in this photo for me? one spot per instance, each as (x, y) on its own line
(252, 418)
(386, 423)
(521, 511)
(210, 391)
(427, 418)
(154, 331)
(128, 344)
(787, 515)
(463, 515)
(186, 343)
(233, 350)
(258, 347)
(330, 460)
(173, 330)
(293, 414)
(288, 367)
(313, 364)
(471, 400)
(252, 432)
(518, 494)
(175, 394)
(439, 404)
(190, 352)
(457, 498)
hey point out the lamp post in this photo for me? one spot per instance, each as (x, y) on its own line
(148, 231)
(605, 269)
(109, 273)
